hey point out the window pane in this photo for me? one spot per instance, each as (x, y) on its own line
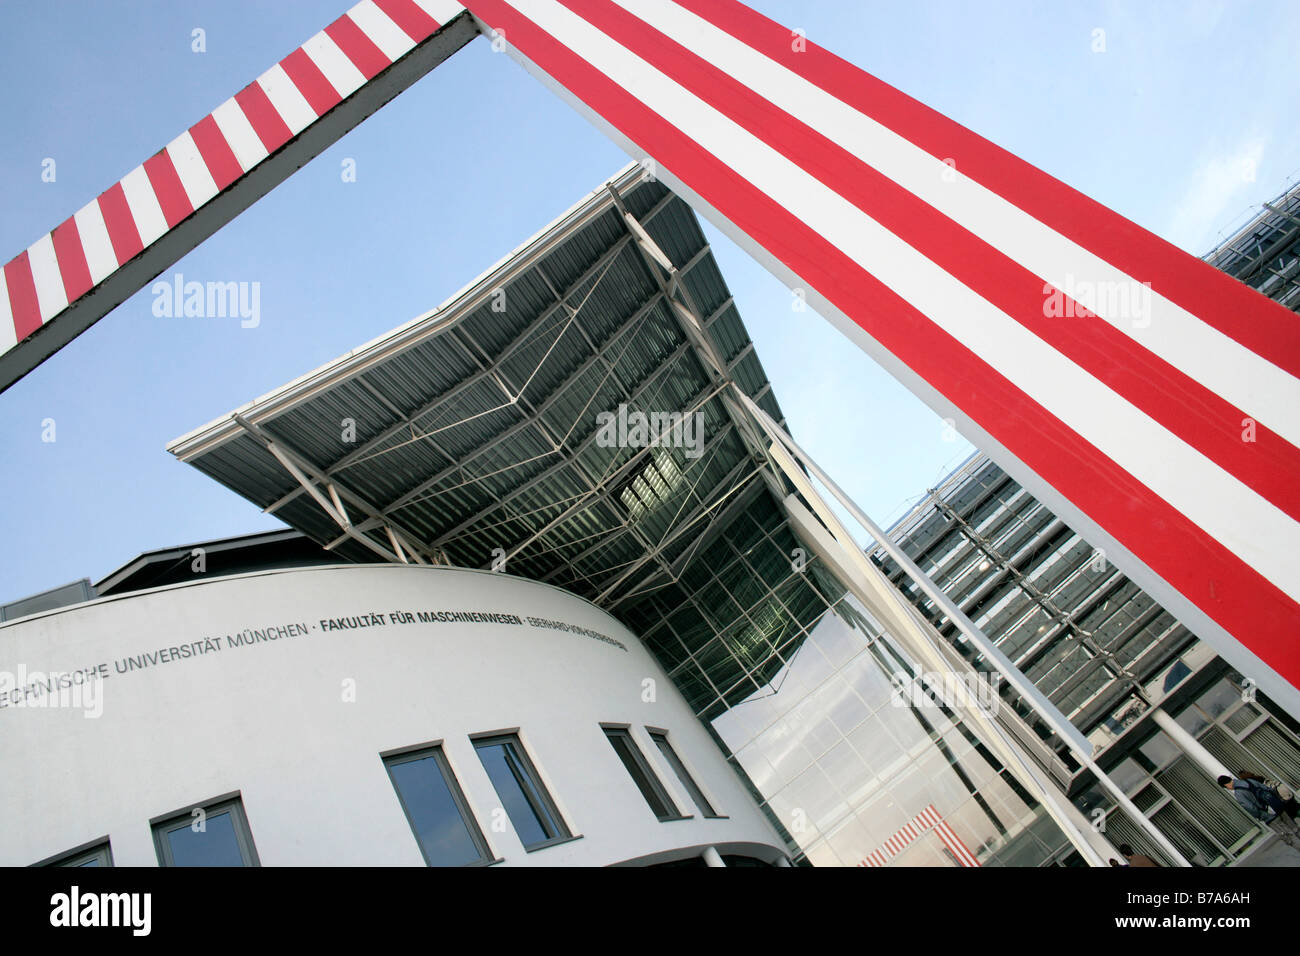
(641, 774)
(683, 775)
(434, 814)
(215, 845)
(92, 856)
(520, 791)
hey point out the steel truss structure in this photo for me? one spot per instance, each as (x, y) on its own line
(1265, 252)
(471, 434)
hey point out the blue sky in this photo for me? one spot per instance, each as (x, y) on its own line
(1183, 123)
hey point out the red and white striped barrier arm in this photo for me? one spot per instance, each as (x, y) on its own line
(114, 245)
(1163, 425)
(927, 819)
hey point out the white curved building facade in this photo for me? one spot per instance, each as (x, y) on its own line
(355, 715)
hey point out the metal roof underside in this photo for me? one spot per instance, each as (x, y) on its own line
(475, 426)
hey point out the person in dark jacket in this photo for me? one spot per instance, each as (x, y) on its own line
(1263, 803)
(1289, 806)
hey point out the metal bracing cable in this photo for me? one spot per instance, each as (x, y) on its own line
(1070, 735)
(514, 399)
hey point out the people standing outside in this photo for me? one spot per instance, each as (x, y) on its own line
(1263, 803)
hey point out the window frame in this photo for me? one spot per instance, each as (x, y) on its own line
(660, 738)
(437, 751)
(101, 849)
(624, 731)
(550, 810)
(231, 803)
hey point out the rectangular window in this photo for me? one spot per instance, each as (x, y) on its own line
(525, 800)
(660, 738)
(653, 791)
(93, 854)
(436, 808)
(214, 834)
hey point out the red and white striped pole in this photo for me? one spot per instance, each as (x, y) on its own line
(117, 243)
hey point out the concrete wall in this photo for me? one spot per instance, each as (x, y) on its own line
(297, 724)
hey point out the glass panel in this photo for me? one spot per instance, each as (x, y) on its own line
(1128, 776)
(1160, 750)
(1242, 718)
(641, 774)
(679, 768)
(1219, 698)
(520, 792)
(215, 845)
(432, 809)
(1027, 849)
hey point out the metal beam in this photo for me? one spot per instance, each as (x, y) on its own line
(573, 454)
(89, 283)
(308, 476)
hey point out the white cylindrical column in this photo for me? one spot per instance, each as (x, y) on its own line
(712, 857)
(1190, 745)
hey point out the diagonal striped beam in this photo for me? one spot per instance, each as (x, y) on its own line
(1150, 400)
(71, 277)
(925, 821)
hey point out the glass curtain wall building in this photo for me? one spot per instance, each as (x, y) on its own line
(794, 678)
(1107, 655)
(1265, 252)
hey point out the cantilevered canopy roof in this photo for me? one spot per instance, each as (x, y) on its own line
(471, 434)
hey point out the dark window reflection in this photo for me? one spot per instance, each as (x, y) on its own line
(522, 796)
(641, 774)
(215, 845)
(434, 813)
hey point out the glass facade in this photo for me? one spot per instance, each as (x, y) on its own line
(1265, 252)
(1085, 634)
(1199, 817)
(1106, 654)
(794, 679)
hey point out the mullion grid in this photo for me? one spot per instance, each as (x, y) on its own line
(768, 597)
